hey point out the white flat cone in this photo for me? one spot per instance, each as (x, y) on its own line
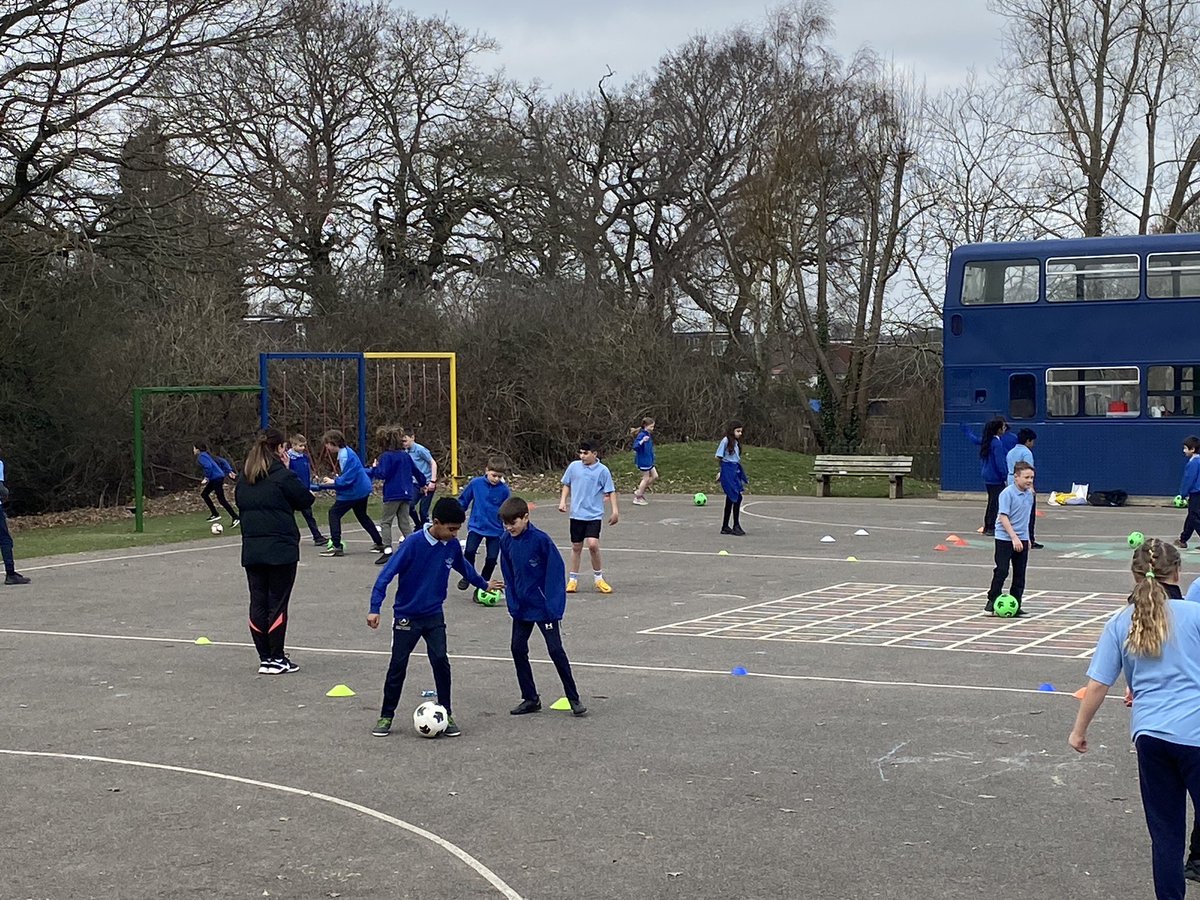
(862, 532)
(829, 539)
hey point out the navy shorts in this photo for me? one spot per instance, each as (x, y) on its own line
(582, 529)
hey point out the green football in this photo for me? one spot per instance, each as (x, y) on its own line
(1180, 501)
(1006, 606)
(488, 598)
(1136, 539)
(700, 499)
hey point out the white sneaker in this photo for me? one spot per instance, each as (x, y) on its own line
(640, 501)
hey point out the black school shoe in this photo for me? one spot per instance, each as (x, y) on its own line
(463, 584)
(16, 578)
(577, 709)
(1191, 870)
(1036, 546)
(525, 707)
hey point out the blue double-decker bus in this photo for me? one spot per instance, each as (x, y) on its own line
(1094, 343)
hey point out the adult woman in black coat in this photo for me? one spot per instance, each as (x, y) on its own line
(268, 495)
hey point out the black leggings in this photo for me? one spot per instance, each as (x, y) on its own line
(993, 507)
(736, 509)
(270, 592)
(217, 485)
(359, 508)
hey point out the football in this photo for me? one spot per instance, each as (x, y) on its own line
(1136, 539)
(489, 598)
(700, 499)
(1006, 606)
(217, 528)
(429, 719)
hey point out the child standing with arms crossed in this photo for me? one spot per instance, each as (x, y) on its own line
(353, 490)
(1015, 507)
(401, 480)
(1189, 489)
(643, 455)
(732, 477)
(299, 463)
(535, 589)
(588, 483)
(419, 566)
(483, 496)
(216, 470)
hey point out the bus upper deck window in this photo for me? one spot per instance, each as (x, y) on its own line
(1000, 281)
(1092, 278)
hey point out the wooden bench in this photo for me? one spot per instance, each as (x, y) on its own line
(894, 467)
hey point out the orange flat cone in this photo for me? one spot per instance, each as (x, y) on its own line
(952, 539)
(1040, 513)
(1079, 694)
(941, 547)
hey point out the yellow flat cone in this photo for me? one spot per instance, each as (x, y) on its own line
(339, 690)
(851, 559)
(202, 640)
(722, 553)
(561, 703)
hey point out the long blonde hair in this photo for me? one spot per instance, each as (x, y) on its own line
(262, 453)
(1153, 562)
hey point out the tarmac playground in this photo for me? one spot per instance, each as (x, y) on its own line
(888, 739)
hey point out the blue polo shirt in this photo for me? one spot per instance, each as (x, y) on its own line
(1018, 506)
(422, 459)
(589, 485)
(1166, 689)
(1019, 453)
(723, 453)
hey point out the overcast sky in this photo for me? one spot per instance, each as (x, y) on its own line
(568, 45)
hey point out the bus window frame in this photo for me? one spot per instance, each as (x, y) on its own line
(1081, 385)
(1084, 274)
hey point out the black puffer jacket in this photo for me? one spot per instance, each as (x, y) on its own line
(268, 508)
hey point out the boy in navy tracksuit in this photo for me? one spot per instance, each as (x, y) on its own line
(401, 480)
(420, 566)
(352, 487)
(535, 586)
(483, 496)
(299, 463)
(216, 470)
(1189, 489)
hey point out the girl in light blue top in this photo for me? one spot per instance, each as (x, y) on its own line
(732, 476)
(1155, 641)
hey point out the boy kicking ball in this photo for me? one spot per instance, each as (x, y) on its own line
(421, 566)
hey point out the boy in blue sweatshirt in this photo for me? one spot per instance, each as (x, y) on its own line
(420, 566)
(535, 586)
(299, 463)
(401, 479)
(1189, 489)
(352, 488)
(216, 470)
(483, 496)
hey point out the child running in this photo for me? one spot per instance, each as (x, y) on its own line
(483, 497)
(1189, 489)
(353, 490)
(535, 588)
(427, 466)
(732, 477)
(216, 470)
(643, 455)
(299, 463)
(401, 482)
(1015, 509)
(588, 483)
(419, 566)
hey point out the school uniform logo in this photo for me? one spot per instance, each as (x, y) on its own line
(403, 625)
(549, 626)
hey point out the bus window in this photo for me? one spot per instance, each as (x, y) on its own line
(1100, 393)
(1172, 390)
(1092, 278)
(1022, 390)
(1170, 275)
(1002, 281)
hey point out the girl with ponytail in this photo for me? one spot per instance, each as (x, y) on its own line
(269, 495)
(1155, 642)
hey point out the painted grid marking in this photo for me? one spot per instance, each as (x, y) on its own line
(1056, 623)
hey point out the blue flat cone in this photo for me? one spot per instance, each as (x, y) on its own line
(738, 670)
(1045, 686)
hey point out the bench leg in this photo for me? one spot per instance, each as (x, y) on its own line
(823, 486)
(896, 487)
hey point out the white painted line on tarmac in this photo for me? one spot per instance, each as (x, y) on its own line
(507, 661)
(453, 849)
(215, 545)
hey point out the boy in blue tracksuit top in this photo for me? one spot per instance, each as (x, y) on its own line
(420, 566)
(536, 589)
(216, 470)
(483, 496)
(401, 481)
(299, 463)
(353, 489)
(1189, 489)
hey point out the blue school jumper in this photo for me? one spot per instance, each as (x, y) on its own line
(399, 473)
(643, 450)
(483, 500)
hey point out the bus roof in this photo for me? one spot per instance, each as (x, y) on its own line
(1093, 246)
